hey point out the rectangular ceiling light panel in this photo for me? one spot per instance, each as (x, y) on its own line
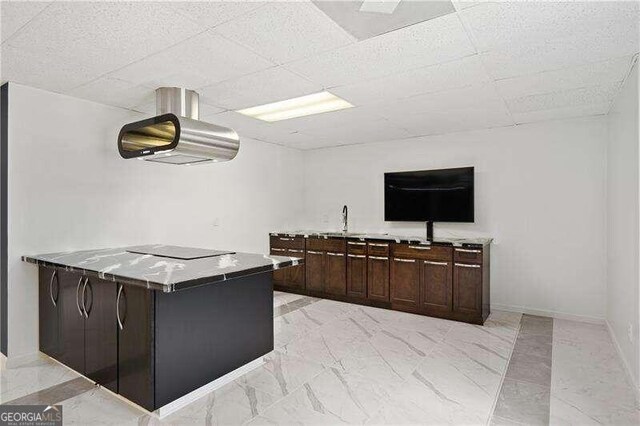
(297, 107)
(379, 6)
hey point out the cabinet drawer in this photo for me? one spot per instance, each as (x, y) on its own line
(356, 247)
(378, 248)
(336, 245)
(423, 252)
(467, 255)
(287, 242)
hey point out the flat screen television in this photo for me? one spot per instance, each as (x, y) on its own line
(444, 195)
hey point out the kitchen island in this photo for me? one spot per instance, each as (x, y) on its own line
(159, 325)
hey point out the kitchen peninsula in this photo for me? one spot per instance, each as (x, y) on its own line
(157, 324)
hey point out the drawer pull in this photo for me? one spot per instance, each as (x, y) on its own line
(464, 265)
(436, 263)
(468, 251)
(404, 260)
(359, 256)
(335, 254)
(420, 247)
(277, 249)
(296, 251)
(378, 258)
(378, 245)
(353, 243)
(285, 239)
(313, 252)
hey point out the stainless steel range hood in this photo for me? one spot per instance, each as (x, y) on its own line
(175, 135)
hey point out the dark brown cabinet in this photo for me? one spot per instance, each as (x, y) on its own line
(50, 308)
(100, 333)
(405, 282)
(435, 287)
(335, 278)
(467, 288)
(378, 278)
(357, 275)
(134, 317)
(293, 277)
(314, 265)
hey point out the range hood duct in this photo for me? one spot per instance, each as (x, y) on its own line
(176, 135)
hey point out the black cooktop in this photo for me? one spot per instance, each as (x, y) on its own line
(177, 252)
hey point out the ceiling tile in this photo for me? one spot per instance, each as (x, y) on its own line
(562, 113)
(212, 13)
(441, 122)
(458, 73)
(471, 97)
(521, 23)
(465, 4)
(568, 78)
(565, 98)
(110, 34)
(44, 71)
(363, 24)
(439, 40)
(202, 60)
(372, 131)
(270, 85)
(287, 31)
(15, 14)
(111, 91)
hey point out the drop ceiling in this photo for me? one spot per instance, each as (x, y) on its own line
(444, 67)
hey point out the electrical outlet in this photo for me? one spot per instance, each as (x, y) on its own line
(630, 332)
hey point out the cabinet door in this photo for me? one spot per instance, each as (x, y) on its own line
(101, 333)
(378, 278)
(295, 274)
(357, 275)
(405, 282)
(49, 310)
(134, 316)
(72, 320)
(467, 288)
(436, 287)
(335, 278)
(279, 275)
(314, 269)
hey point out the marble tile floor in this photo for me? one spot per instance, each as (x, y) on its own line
(341, 363)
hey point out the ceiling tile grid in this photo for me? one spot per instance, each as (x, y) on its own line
(485, 64)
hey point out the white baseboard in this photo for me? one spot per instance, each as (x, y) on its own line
(187, 399)
(551, 314)
(627, 368)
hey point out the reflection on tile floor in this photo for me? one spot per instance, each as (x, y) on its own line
(341, 363)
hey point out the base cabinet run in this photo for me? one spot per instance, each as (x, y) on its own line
(436, 280)
(149, 346)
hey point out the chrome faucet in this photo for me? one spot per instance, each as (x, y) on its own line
(345, 217)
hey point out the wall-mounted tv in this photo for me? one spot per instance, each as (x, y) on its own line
(444, 195)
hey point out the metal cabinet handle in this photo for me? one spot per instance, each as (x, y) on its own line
(378, 245)
(359, 256)
(296, 251)
(77, 296)
(120, 324)
(353, 243)
(335, 254)
(404, 260)
(468, 251)
(313, 252)
(53, 276)
(277, 249)
(436, 263)
(378, 258)
(285, 239)
(420, 247)
(465, 265)
(84, 290)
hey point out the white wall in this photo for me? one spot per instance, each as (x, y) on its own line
(540, 192)
(623, 227)
(69, 189)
